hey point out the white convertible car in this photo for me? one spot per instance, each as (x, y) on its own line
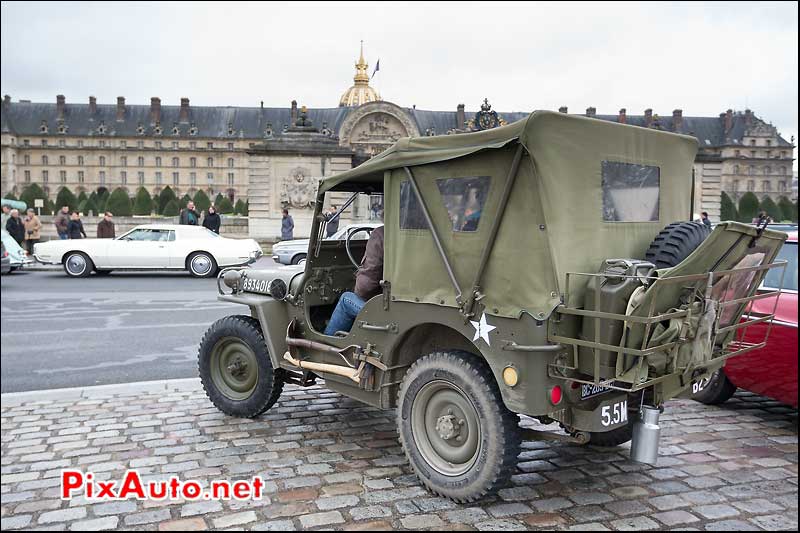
(150, 247)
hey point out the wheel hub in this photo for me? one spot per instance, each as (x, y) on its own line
(238, 368)
(449, 427)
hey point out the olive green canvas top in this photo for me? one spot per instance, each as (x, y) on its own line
(586, 190)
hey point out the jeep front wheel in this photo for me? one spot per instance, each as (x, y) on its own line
(459, 437)
(235, 368)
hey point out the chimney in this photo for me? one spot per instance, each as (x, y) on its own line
(184, 115)
(648, 117)
(622, 118)
(61, 103)
(155, 109)
(92, 105)
(728, 120)
(590, 111)
(294, 111)
(562, 109)
(460, 117)
(120, 108)
(748, 117)
(677, 120)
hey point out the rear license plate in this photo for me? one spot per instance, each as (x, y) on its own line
(590, 391)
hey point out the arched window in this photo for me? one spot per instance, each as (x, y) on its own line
(767, 171)
(735, 169)
(192, 161)
(80, 160)
(230, 162)
(176, 162)
(751, 170)
(158, 161)
(140, 161)
(102, 160)
(210, 161)
(44, 160)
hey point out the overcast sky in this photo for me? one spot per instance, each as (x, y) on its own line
(702, 58)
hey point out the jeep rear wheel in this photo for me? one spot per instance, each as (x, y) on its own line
(459, 437)
(235, 368)
(718, 390)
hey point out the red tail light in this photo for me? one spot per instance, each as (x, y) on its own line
(555, 395)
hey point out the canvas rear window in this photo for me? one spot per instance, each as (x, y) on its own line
(411, 216)
(464, 199)
(630, 192)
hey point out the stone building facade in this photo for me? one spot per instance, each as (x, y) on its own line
(274, 156)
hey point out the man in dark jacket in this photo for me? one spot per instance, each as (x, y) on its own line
(333, 225)
(368, 284)
(75, 227)
(189, 217)
(16, 227)
(105, 229)
(287, 226)
(212, 220)
(61, 222)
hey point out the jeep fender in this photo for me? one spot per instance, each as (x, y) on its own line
(273, 317)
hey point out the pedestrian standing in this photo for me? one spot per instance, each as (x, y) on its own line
(704, 218)
(189, 217)
(333, 223)
(6, 214)
(16, 227)
(75, 227)
(212, 220)
(105, 228)
(62, 222)
(33, 227)
(287, 226)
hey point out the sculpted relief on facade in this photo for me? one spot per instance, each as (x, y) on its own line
(299, 189)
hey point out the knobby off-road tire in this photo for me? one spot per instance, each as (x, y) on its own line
(676, 242)
(457, 434)
(718, 390)
(235, 368)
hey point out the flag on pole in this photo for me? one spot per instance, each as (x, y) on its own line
(377, 68)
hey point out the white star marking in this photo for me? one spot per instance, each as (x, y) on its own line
(482, 329)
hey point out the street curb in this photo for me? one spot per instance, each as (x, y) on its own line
(9, 399)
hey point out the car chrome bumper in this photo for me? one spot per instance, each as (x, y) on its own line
(44, 262)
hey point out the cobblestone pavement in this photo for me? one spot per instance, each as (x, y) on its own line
(333, 463)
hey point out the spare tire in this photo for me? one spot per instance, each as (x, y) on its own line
(676, 242)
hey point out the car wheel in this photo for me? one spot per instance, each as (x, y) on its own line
(201, 265)
(235, 367)
(459, 437)
(299, 259)
(78, 265)
(717, 390)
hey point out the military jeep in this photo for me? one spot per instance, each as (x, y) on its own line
(540, 268)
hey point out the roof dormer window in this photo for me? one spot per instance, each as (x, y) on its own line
(231, 131)
(175, 130)
(101, 129)
(43, 127)
(192, 129)
(157, 130)
(140, 129)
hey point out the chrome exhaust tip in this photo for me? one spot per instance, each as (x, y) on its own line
(646, 433)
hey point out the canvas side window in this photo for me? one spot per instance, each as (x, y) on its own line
(411, 216)
(464, 199)
(630, 192)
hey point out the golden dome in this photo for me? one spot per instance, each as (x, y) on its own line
(360, 92)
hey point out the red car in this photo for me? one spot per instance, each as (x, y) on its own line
(772, 370)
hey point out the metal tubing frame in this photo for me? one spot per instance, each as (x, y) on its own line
(735, 347)
(437, 241)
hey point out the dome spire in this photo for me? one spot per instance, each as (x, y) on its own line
(360, 93)
(361, 76)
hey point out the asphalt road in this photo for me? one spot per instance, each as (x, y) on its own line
(126, 327)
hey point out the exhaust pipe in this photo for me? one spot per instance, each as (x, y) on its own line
(646, 432)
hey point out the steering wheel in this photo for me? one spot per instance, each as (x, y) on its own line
(347, 239)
